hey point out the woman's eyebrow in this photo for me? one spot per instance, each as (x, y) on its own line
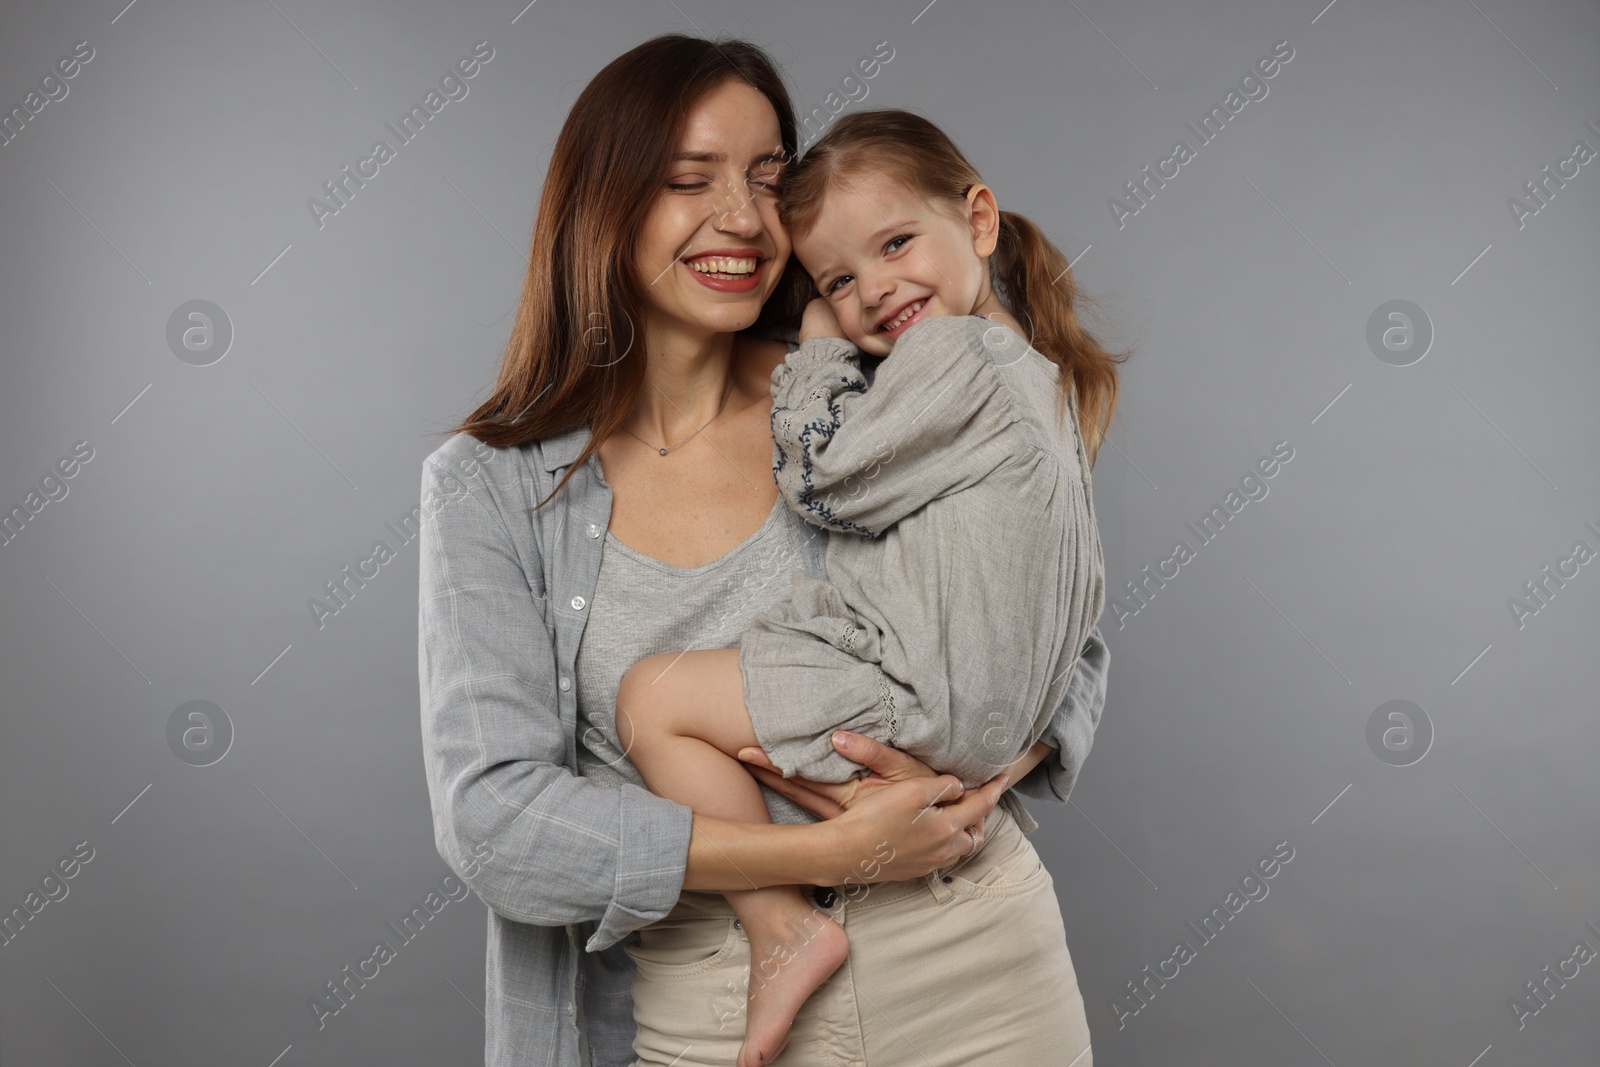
(722, 157)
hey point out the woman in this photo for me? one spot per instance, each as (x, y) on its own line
(621, 469)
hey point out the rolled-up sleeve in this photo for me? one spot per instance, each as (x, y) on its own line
(538, 843)
(1071, 728)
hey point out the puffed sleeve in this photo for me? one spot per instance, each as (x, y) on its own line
(536, 842)
(856, 460)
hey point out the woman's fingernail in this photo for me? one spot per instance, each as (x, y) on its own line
(747, 754)
(840, 739)
(1005, 780)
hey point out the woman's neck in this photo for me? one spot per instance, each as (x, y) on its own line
(686, 381)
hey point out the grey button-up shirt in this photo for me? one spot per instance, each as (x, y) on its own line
(567, 867)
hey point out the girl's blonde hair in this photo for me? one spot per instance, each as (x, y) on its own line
(1033, 278)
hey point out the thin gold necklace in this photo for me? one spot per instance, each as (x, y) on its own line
(663, 451)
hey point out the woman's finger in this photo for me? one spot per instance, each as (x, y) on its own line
(886, 760)
(940, 790)
(758, 756)
(975, 805)
(808, 798)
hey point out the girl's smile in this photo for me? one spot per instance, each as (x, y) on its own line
(887, 257)
(894, 325)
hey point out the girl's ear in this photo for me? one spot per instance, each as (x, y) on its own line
(983, 215)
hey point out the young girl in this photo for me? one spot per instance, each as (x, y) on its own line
(966, 571)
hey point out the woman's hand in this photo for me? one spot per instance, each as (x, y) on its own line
(832, 799)
(819, 321)
(887, 763)
(888, 833)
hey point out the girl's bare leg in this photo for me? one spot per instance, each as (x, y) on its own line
(681, 719)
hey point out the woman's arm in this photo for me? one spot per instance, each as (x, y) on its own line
(1020, 767)
(544, 846)
(1046, 771)
(536, 842)
(911, 826)
(857, 460)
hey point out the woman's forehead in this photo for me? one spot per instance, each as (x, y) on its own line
(733, 120)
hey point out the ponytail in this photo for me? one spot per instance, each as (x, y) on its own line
(1037, 287)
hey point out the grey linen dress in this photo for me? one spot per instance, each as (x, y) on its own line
(949, 624)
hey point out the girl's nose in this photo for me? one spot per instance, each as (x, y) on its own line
(877, 289)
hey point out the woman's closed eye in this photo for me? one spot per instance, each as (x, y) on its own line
(766, 182)
(694, 183)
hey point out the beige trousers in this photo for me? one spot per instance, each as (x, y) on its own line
(964, 967)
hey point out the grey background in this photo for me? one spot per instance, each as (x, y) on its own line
(1379, 566)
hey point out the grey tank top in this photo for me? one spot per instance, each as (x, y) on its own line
(642, 606)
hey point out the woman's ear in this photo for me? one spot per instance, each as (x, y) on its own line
(983, 215)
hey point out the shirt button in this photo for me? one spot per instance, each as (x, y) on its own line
(571, 1009)
(594, 531)
(565, 683)
(578, 602)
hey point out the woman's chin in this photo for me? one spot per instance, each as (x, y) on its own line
(732, 320)
(701, 318)
(730, 316)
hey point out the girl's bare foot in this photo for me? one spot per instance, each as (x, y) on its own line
(784, 971)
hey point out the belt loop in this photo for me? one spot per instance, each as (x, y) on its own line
(938, 884)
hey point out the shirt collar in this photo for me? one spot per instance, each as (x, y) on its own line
(559, 451)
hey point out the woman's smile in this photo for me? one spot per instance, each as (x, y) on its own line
(729, 270)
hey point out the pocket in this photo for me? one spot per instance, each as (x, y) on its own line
(676, 948)
(1006, 866)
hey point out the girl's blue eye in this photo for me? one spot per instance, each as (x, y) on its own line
(895, 242)
(840, 280)
(687, 185)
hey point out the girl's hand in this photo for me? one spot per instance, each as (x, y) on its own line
(819, 321)
(907, 831)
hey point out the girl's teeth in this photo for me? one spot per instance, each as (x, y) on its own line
(904, 315)
(724, 265)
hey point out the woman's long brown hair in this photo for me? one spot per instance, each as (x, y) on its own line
(568, 361)
(1035, 282)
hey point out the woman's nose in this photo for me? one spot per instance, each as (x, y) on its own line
(736, 210)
